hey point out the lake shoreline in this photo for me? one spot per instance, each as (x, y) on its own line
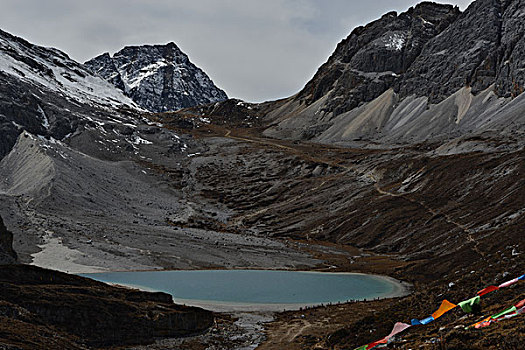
(399, 289)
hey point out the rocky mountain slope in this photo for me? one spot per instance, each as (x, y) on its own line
(67, 135)
(44, 309)
(46, 93)
(88, 179)
(428, 73)
(159, 78)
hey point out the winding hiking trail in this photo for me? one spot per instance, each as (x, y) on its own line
(298, 152)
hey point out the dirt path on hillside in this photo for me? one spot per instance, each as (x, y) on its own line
(298, 152)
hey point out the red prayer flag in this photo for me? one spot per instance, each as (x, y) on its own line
(520, 304)
(376, 343)
(487, 290)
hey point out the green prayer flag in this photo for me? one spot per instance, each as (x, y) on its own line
(362, 347)
(467, 305)
(503, 313)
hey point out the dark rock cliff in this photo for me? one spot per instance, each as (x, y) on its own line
(510, 80)
(484, 46)
(159, 78)
(369, 61)
(7, 253)
(431, 50)
(465, 54)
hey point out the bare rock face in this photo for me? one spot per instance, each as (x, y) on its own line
(7, 254)
(431, 50)
(159, 78)
(465, 54)
(369, 61)
(510, 81)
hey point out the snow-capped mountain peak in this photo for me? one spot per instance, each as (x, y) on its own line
(159, 78)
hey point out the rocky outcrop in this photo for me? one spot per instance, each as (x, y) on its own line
(83, 311)
(159, 78)
(484, 46)
(7, 253)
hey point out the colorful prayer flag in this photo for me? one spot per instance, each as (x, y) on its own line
(398, 328)
(445, 307)
(415, 322)
(487, 290)
(468, 305)
(427, 320)
(503, 313)
(509, 283)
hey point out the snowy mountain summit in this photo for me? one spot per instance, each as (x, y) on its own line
(46, 93)
(159, 78)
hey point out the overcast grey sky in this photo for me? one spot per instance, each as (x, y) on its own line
(253, 49)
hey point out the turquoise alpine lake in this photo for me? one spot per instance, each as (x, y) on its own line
(252, 287)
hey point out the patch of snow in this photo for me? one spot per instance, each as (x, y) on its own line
(133, 82)
(425, 21)
(442, 52)
(130, 125)
(17, 125)
(45, 121)
(137, 140)
(395, 42)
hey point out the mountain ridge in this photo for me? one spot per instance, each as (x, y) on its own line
(429, 74)
(46, 93)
